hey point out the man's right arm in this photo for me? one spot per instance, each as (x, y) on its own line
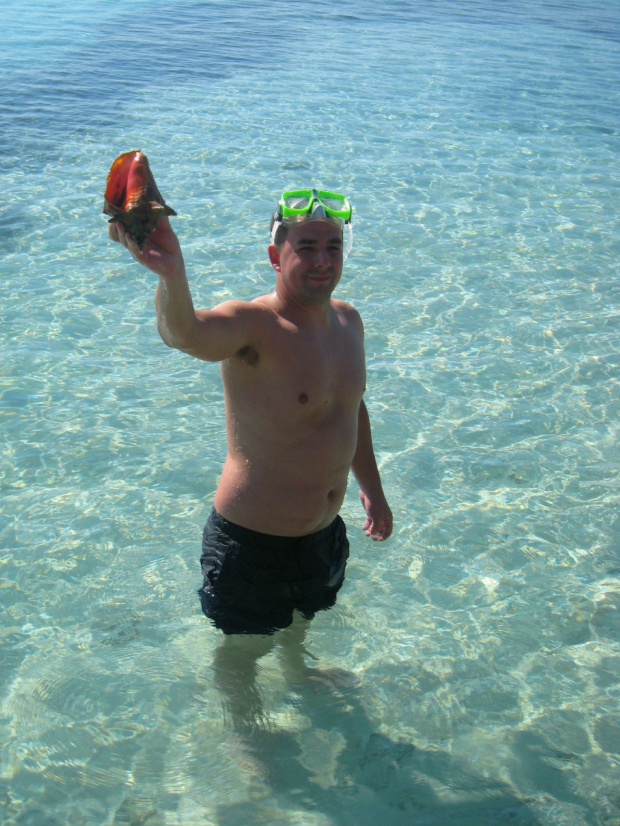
(212, 335)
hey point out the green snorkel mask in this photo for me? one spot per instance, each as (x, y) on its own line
(297, 205)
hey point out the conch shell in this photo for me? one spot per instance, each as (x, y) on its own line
(132, 197)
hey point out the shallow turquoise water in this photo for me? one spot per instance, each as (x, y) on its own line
(479, 145)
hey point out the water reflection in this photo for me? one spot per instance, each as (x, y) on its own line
(340, 764)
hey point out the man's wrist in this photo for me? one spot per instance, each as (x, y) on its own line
(179, 274)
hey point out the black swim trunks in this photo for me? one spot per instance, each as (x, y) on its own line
(254, 581)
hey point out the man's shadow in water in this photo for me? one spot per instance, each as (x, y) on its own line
(374, 779)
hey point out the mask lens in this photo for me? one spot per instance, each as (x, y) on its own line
(297, 201)
(333, 203)
(336, 203)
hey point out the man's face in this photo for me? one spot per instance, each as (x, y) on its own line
(310, 260)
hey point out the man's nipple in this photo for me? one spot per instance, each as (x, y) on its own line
(303, 398)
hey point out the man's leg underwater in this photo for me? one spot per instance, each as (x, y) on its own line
(235, 668)
(294, 655)
(291, 649)
(235, 665)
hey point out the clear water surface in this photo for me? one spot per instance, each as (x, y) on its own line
(479, 144)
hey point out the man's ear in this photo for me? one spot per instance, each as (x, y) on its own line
(274, 256)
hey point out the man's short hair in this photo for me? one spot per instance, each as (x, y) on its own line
(282, 230)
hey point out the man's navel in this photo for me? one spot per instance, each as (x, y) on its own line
(303, 398)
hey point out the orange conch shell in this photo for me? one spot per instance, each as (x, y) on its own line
(132, 197)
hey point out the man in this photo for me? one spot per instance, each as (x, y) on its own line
(293, 371)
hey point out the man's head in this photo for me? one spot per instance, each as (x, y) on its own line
(308, 205)
(308, 263)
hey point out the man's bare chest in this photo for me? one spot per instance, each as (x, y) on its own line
(320, 371)
(294, 370)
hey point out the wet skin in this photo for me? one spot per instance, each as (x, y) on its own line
(293, 370)
(294, 375)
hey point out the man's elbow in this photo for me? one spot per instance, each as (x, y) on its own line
(172, 340)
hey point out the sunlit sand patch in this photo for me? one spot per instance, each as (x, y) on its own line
(415, 567)
(320, 752)
(332, 678)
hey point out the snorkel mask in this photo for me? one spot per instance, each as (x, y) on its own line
(314, 205)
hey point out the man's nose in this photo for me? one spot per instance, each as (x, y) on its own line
(322, 257)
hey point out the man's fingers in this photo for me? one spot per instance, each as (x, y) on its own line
(380, 531)
(378, 528)
(127, 241)
(117, 232)
(164, 223)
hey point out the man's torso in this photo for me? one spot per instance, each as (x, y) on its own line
(292, 401)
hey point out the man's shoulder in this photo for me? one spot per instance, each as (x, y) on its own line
(255, 307)
(347, 312)
(343, 306)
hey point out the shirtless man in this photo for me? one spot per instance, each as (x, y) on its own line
(293, 371)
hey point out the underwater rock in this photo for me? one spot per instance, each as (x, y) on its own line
(132, 197)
